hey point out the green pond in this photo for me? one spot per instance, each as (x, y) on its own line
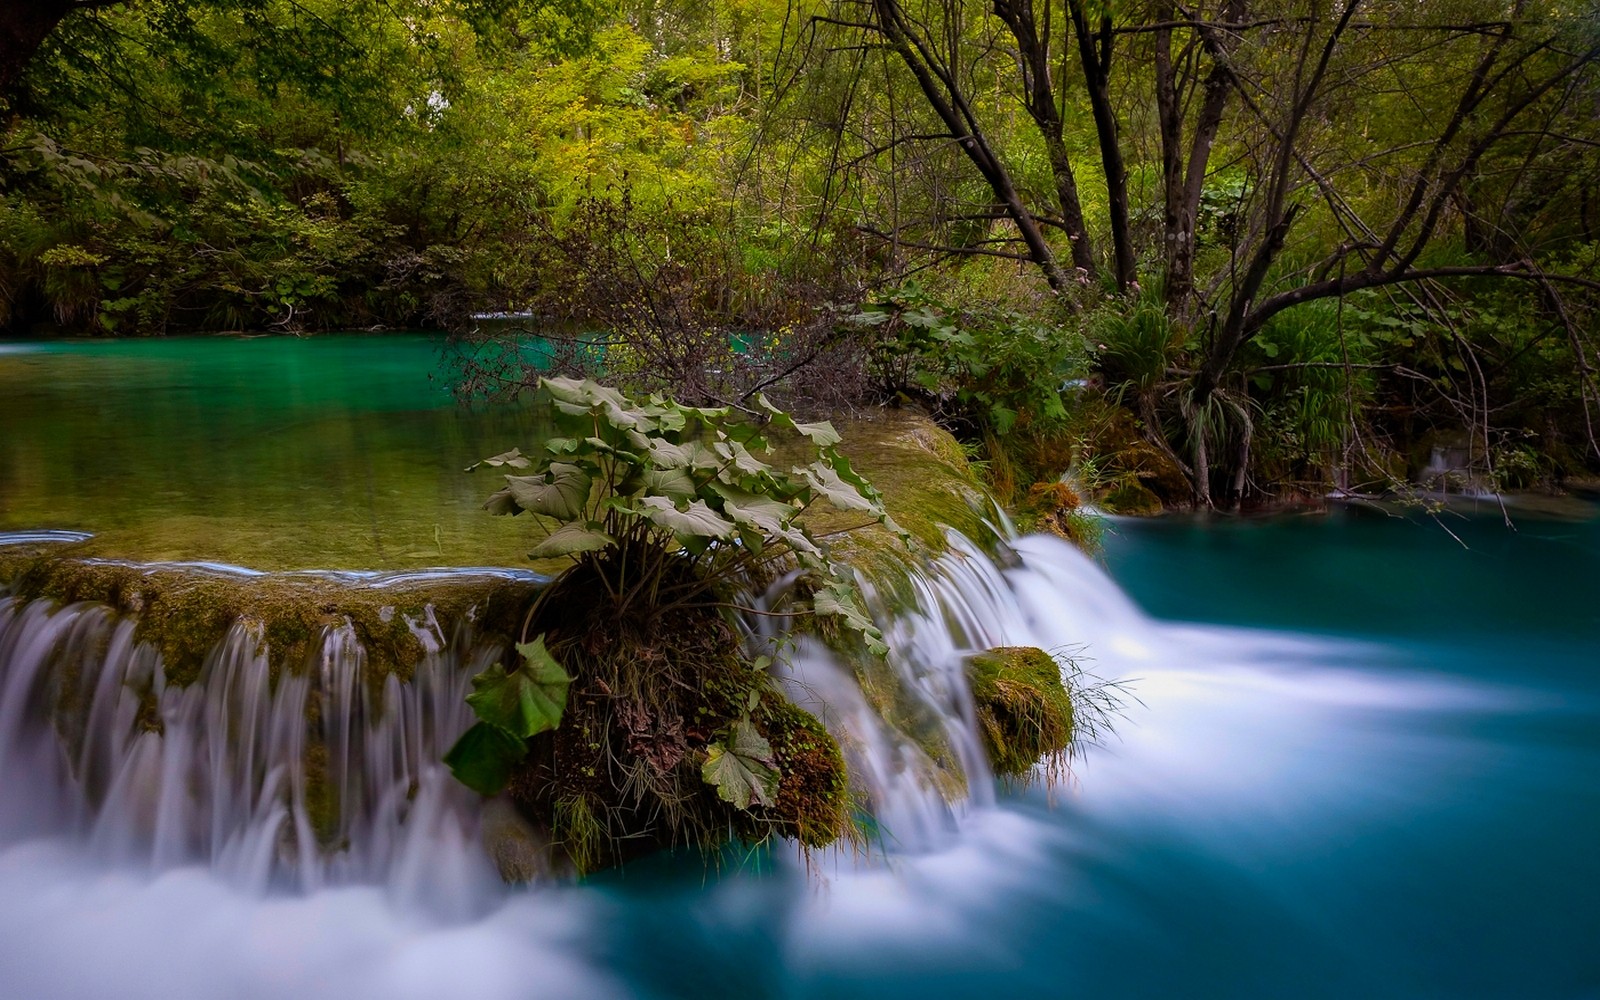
(272, 452)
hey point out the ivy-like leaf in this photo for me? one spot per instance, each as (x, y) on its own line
(527, 700)
(560, 493)
(484, 756)
(572, 538)
(742, 768)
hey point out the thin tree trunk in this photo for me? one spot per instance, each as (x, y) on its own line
(1094, 48)
(1033, 51)
(1184, 171)
(944, 95)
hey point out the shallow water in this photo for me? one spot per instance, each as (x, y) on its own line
(272, 452)
(1360, 763)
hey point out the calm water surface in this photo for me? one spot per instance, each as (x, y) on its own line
(1362, 761)
(271, 452)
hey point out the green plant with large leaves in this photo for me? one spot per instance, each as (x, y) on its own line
(665, 509)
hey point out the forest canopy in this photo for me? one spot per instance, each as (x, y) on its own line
(1212, 252)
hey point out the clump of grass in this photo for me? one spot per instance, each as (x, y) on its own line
(1038, 710)
(1024, 712)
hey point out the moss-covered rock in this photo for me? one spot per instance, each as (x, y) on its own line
(1024, 711)
(1056, 508)
(654, 691)
(1131, 497)
(813, 803)
(184, 610)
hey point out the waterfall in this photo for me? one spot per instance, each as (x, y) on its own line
(303, 778)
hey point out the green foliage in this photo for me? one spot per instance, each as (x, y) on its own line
(742, 767)
(638, 488)
(1025, 713)
(992, 368)
(666, 513)
(527, 700)
(511, 706)
(1136, 345)
(484, 756)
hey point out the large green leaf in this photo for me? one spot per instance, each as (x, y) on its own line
(582, 393)
(838, 599)
(502, 502)
(524, 701)
(674, 484)
(484, 756)
(739, 457)
(820, 433)
(742, 768)
(696, 521)
(762, 512)
(560, 493)
(572, 538)
(824, 480)
(688, 455)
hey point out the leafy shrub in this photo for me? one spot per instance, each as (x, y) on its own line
(633, 695)
(989, 369)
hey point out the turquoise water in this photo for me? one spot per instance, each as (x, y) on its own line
(272, 452)
(1361, 761)
(1390, 793)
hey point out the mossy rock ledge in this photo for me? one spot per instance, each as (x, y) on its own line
(1024, 711)
(183, 611)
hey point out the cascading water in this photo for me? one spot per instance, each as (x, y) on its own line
(1283, 814)
(252, 770)
(277, 777)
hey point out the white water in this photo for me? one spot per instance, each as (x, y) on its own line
(182, 864)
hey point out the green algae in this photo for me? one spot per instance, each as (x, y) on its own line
(1025, 713)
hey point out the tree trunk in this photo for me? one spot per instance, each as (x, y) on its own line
(24, 25)
(1184, 172)
(1094, 47)
(1038, 95)
(938, 84)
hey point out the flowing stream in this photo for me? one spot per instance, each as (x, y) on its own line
(1356, 758)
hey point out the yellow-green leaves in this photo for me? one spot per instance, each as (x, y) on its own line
(742, 768)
